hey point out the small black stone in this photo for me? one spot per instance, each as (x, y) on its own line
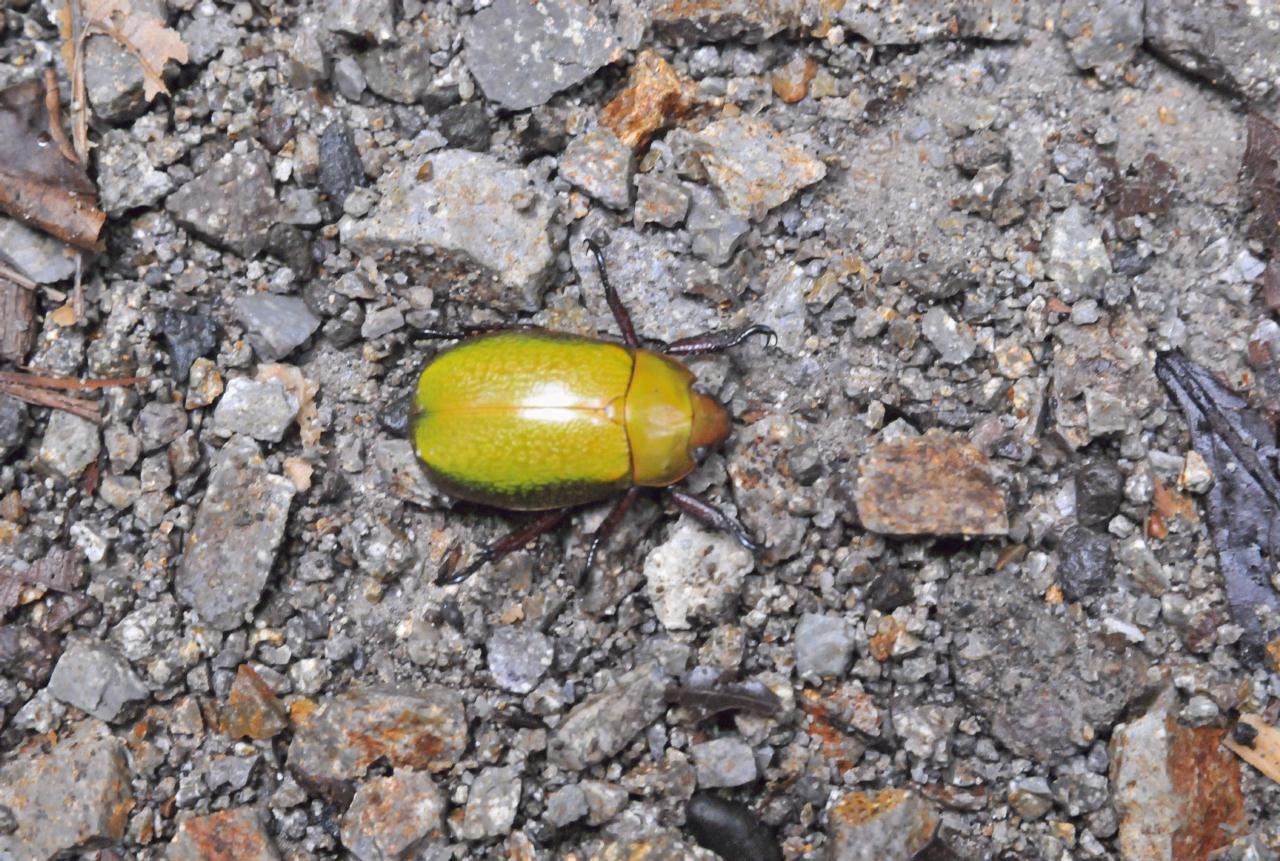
(466, 126)
(13, 424)
(293, 246)
(543, 133)
(190, 336)
(890, 590)
(1099, 491)
(1244, 734)
(340, 167)
(1084, 565)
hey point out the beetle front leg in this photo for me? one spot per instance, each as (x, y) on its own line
(611, 296)
(709, 515)
(619, 511)
(712, 342)
(500, 548)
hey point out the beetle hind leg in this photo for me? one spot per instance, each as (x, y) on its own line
(714, 342)
(711, 516)
(507, 544)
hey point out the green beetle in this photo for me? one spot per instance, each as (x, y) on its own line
(535, 420)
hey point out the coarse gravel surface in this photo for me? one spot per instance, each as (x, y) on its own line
(985, 621)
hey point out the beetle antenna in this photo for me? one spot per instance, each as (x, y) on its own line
(611, 296)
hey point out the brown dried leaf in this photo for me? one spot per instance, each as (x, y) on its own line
(39, 184)
(145, 36)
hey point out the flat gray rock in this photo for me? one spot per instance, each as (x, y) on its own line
(601, 165)
(34, 254)
(606, 722)
(78, 794)
(69, 445)
(914, 22)
(1231, 45)
(126, 176)
(391, 815)
(275, 325)
(229, 553)
(476, 212)
(232, 204)
(752, 166)
(262, 409)
(522, 53)
(492, 803)
(96, 679)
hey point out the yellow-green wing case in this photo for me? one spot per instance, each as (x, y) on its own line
(526, 419)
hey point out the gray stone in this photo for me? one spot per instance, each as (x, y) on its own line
(384, 321)
(422, 730)
(262, 409)
(1102, 35)
(229, 772)
(301, 207)
(604, 800)
(518, 657)
(715, 232)
(751, 21)
(96, 679)
(471, 209)
(402, 73)
(567, 804)
(466, 126)
(14, 420)
(308, 64)
(208, 33)
(752, 166)
(601, 165)
(606, 722)
(73, 795)
(492, 803)
(69, 445)
(1077, 258)
(160, 423)
(660, 201)
(723, 762)
(113, 78)
(34, 254)
(126, 177)
(1231, 45)
(120, 491)
(402, 474)
(1030, 797)
(823, 645)
(391, 815)
(914, 23)
(341, 170)
(349, 78)
(229, 553)
(695, 574)
(1085, 562)
(1081, 792)
(232, 204)
(521, 54)
(782, 307)
(924, 731)
(954, 340)
(366, 20)
(275, 325)
(1047, 688)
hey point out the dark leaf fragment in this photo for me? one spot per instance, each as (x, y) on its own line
(27, 654)
(1242, 507)
(1148, 193)
(1261, 168)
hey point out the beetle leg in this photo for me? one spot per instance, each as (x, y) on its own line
(711, 342)
(470, 331)
(611, 296)
(620, 509)
(505, 545)
(709, 515)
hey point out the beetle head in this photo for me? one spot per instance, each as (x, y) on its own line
(710, 422)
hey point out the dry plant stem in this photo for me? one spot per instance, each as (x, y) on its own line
(53, 104)
(17, 278)
(85, 409)
(79, 102)
(69, 384)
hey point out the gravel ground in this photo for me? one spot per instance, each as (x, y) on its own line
(986, 622)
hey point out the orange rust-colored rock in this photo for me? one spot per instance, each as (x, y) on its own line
(791, 82)
(936, 484)
(228, 835)
(1206, 777)
(654, 99)
(252, 709)
(891, 825)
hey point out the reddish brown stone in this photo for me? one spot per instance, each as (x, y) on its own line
(791, 82)
(937, 484)
(252, 709)
(228, 835)
(655, 98)
(890, 825)
(1206, 779)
